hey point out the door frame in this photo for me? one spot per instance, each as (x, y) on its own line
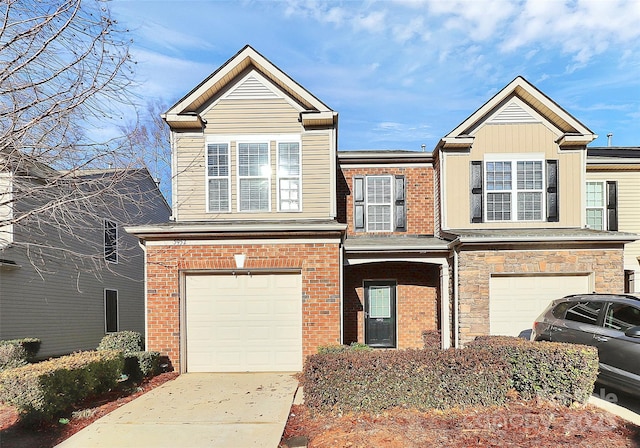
(394, 309)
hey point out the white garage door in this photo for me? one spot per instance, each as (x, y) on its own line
(244, 323)
(516, 301)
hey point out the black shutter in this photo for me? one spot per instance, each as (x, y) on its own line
(612, 205)
(553, 214)
(400, 207)
(476, 191)
(358, 203)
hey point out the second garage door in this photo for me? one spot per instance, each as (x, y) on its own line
(243, 323)
(516, 301)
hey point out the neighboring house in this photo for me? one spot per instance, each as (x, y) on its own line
(613, 193)
(69, 278)
(280, 244)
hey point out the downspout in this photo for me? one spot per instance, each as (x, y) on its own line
(143, 246)
(456, 318)
(174, 177)
(341, 280)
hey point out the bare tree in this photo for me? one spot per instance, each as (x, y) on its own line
(65, 70)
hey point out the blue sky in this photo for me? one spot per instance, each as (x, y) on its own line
(406, 72)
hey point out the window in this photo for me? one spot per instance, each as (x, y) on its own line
(379, 203)
(524, 202)
(110, 241)
(379, 302)
(110, 310)
(254, 176)
(622, 317)
(218, 177)
(514, 190)
(602, 208)
(289, 177)
(584, 312)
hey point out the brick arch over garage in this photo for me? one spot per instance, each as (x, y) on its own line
(417, 293)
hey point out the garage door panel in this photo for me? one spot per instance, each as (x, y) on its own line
(516, 301)
(244, 323)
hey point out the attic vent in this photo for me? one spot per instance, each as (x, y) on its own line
(251, 88)
(513, 113)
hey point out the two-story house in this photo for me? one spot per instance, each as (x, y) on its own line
(69, 274)
(279, 243)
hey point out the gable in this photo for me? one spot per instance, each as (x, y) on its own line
(520, 102)
(186, 112)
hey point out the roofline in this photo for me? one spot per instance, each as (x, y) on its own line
(226, 65)
(363, 156)
(502, 94)
(194, 230)
(624, 238)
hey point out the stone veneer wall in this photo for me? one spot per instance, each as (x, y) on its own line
(475, 269)
(319, 264)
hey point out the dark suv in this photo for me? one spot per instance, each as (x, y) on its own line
(610, 322)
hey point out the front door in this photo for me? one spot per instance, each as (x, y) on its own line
(380, 314)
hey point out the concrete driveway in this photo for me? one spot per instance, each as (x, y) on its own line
(198, 410)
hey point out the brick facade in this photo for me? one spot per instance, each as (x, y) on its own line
(417, 302)
(475, 269)
(319, 264)
(419, 197)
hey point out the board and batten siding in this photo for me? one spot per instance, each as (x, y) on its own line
(509, 139)
(628, 210)
(233, 119)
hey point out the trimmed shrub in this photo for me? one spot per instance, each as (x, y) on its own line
(551, 370)
(431, 339)
(17, 352)
(12, 356)
(43, 389)
(138, 365)
(371, 381)
(127, 341)
(339, 348)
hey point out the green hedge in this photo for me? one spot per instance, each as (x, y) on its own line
(420, 379)
(43, 389)
(127, 341)
(563, 372)
(138, 365)
(17, 352)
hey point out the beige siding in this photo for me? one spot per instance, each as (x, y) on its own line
(508, 139)
(628, 211)
(233, 119)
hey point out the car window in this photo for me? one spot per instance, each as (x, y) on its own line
(560, 310)
(585, 312)
(622, 317)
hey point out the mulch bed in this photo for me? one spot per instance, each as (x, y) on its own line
(520, 424)
(15, 434)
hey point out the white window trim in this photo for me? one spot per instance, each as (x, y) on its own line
(239, 178)
(104, 241)
(367, 203)
(298, 177)
(603, 208)
(207, 177)
(117, 310)
(514, 159)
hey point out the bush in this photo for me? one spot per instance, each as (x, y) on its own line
(138, 365)
(431, 339)
(338, 348)
(371, 381)
(127, 341)
(551, 370)
(41, 390)
(16, 352)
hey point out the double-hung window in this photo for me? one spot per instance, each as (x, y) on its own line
(514, 190)
(602, 205)
(218, 178)
(110, 241)
(379, 203)
(289, 177)
(254, 177)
